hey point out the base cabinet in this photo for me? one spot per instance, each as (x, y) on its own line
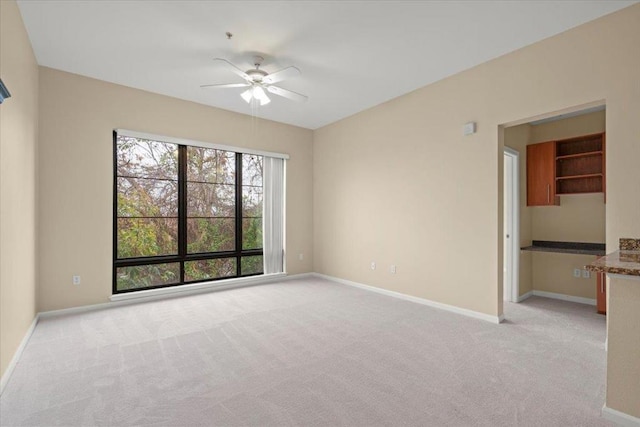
(601, 294)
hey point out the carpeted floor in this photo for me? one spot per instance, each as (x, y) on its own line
(313, 353)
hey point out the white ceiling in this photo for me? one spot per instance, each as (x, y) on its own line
(352, 54)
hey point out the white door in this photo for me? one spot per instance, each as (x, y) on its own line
(511, 224)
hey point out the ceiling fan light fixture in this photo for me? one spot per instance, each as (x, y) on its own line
(247, 95)
(259, 82)
(265, 100)
(260, 95)
(257, 93)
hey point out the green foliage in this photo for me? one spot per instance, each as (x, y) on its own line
(252, 265)
(147, 207)
(209, 269)
(145, 276)
(251, 233)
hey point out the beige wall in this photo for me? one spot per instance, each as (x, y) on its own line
(579, 218)
(570, 127)
(18, 141)
(553, 272)
(399, 184)
(517, 137)
(623, 355)
(77, 117)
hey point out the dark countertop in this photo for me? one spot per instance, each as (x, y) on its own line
(576, 248)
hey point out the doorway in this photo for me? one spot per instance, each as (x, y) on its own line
(511, 225)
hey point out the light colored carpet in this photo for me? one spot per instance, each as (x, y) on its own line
(314, 353)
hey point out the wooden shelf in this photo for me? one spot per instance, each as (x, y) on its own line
(580, 145)
(575, 156)
(590, 175)
(580, 165)
(582, 185)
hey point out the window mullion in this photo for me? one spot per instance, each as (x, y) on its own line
(182, 207)
(238, 212)
(114, 280)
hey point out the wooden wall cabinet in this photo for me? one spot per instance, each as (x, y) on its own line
(541, 174)
(568, 166)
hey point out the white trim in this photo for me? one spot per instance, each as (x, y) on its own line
(164, 293)
(524, 296)
(298, 276)
(564, 297)
(515, 217)
(16, 356)
(182, 141)
(132, 298)
(620, 418)
(430, 303)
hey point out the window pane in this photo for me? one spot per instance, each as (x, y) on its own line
(210, 165)
(145, 276)
(143, 158)
(251, 265)
(210, 200)
(251, 233)
(209, 269)
(139, 237)
(210, 235)
(147, 197)
(252, 170)
(251, 201)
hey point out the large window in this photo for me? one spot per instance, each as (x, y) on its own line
(184, 214)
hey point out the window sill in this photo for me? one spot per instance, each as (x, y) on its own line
(199, 287)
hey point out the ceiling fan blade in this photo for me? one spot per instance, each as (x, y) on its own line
(281, 75)
(223, 86)
(234, 69)
(287, 94)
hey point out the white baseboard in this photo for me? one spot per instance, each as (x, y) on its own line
(297, 277)
(120, 300)
(16, 356)
(620, 418)
(430, 303)
(524, 296)
(564, 297)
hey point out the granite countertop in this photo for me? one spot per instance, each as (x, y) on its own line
(618, 262)
(626, 261)
(577, 248)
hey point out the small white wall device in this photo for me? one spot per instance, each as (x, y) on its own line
(469, 128)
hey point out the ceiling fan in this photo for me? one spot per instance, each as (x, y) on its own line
(257, 81)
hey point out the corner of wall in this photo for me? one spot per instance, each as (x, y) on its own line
(18, 148)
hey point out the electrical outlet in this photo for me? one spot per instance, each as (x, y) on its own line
(300, 257)
(576, 272)
(373, 265)
(392, 269)
(586, 274)
(76, 280)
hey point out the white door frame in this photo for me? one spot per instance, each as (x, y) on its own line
(514, 268)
